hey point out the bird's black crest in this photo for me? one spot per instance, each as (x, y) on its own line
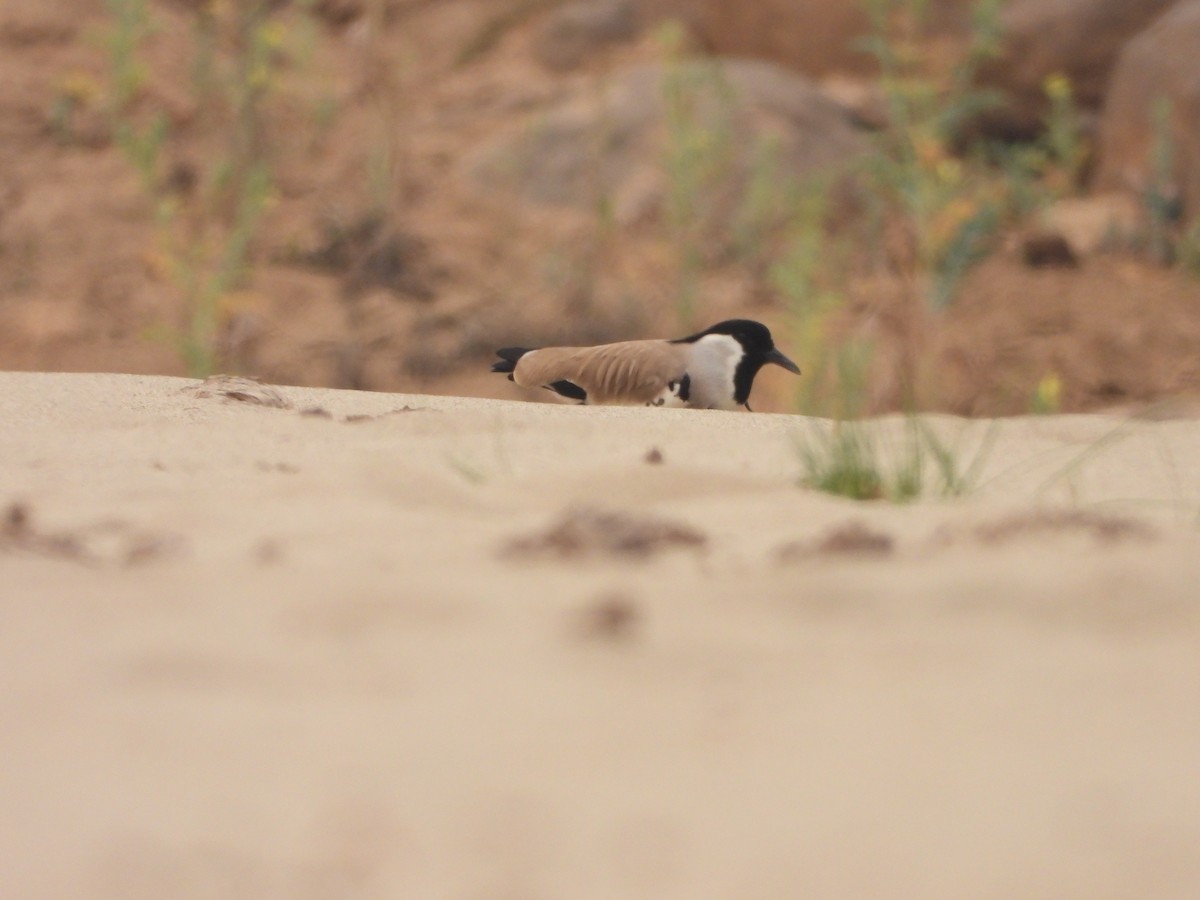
(508, 358)
(747, 332)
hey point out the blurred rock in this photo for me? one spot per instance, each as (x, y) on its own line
(1095, 224)
(369, 250)
(1163, 62)
(609, 144)
(1076, 38)
(1045, 249)
(862, 97)
(50, 22)
(339, 13)
(576, 30)
(811, 36)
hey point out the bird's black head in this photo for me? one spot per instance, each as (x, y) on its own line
(758, 349)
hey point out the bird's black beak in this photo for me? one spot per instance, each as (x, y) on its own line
(780, 360)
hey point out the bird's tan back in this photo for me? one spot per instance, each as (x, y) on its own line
(632, 372)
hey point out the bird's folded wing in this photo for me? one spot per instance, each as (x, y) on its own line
(627, 372)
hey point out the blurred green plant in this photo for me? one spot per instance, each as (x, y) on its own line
(946, 210)
(864, 461)
(386, 158)
(766, 204)
(698, 157)
(142, 144)
(1047, 396)
(1170, 238)
(208, 211)
(1038, 172)
(809, 273)
(1065, 149)
(1161, 196)
(140, 138)
(931, 198)
(130, 25)
(1187, 252)
(493, 29)
(76, 90)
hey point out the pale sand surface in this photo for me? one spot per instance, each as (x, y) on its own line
(249, 653)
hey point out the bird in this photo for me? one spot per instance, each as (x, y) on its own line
(711, 369)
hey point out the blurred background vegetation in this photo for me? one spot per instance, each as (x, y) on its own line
(979, 206)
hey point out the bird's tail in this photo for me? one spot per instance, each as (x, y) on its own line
(508, 359)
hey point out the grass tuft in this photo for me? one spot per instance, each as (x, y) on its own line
(859, 461)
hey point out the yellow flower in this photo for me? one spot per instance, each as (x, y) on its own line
(1057, 86)
(79, 86)
(1047, 398)
(272, 35)
(946, 224)
(949, 171)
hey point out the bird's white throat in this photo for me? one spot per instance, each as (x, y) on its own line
(714, 361)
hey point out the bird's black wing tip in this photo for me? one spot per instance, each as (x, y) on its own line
(508, 358)
(568, 389)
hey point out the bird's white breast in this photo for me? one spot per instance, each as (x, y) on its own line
(713, 361)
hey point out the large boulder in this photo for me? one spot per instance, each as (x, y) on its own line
(1080, 39)
(815, 37)
(1161, 64)
(613, 144)
(576, 30)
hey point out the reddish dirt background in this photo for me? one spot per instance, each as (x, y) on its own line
(82, 287)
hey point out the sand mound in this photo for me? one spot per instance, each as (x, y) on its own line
(287, 650)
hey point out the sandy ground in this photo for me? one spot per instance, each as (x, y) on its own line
(253, 653)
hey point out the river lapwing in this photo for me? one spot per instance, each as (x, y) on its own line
(712, 369)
